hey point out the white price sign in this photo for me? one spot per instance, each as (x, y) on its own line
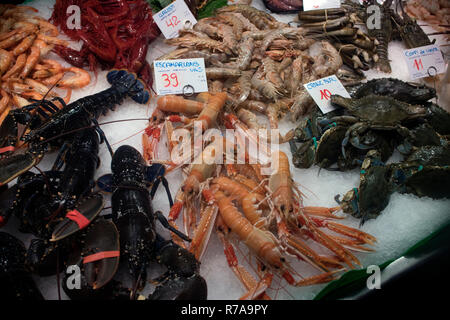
(173, 18)
(322, 89)
(424, 61)
(320, 4)
(180, 76)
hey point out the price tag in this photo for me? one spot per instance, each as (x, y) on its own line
(424, 61)
(180, 76)
(173, 18)
(322, 89)
(320, 4)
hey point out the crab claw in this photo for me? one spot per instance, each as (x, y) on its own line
(101, 253)
(79, 218)
(13, 166)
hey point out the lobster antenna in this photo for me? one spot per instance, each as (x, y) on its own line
(87, 127)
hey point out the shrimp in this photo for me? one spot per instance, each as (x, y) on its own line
(248, 200)
(216, 86)
(260, 19)
(245, 85)
(254, 105)
(4, 101)
(287, 200)
(302, 103)
(281, 186)
(202, 168)
(79, 80)
(17, 68)
(266, 87)
(235, 22)
(14, 37)
(24, 45)
(245, 52)
(327, 62)
(246, 23)
(48, 69)
(6, 59)
(204, 26)
(44, 48)
(202, 43)
(271, 72)
(172, 103)
(228, 36)
(259, 241)
(52, 40)
(211, 110)
(50, 81)
(218, 73)
(32, 60)
(6, 24)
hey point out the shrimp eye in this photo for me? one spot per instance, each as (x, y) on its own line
(282, 207)
(291, 209)
(182, 188)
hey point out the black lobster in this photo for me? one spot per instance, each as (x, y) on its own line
(54, 130)
(55, 204)
(133, 215)
(15, 281)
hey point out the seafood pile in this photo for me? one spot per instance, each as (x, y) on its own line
(435, 12)
(274, 238)
(356, 48)
(61, 210)
(115, 34)
(383, 114)
(267, 215)
(261, 63)
(26, 75)
(360, 50)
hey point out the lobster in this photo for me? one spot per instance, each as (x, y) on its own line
(54, 130)
(40, 201)
(15, 281)
(134, 217)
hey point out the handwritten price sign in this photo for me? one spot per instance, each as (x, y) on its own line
(180, 76)
(424, 61)
(320, 4)
(173, 18)
(322, 89)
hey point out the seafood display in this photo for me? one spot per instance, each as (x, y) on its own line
(115, 34)
(26, 72)
(434, 12)
(360, 50)
(379, 117)
(46, 131)
(245, 191)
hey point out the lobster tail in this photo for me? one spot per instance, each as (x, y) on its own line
(129, 82)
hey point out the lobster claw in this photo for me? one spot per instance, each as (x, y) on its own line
(181, 288)
(101, 253)
(7, 197)
(13, 166)
(79, 218)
